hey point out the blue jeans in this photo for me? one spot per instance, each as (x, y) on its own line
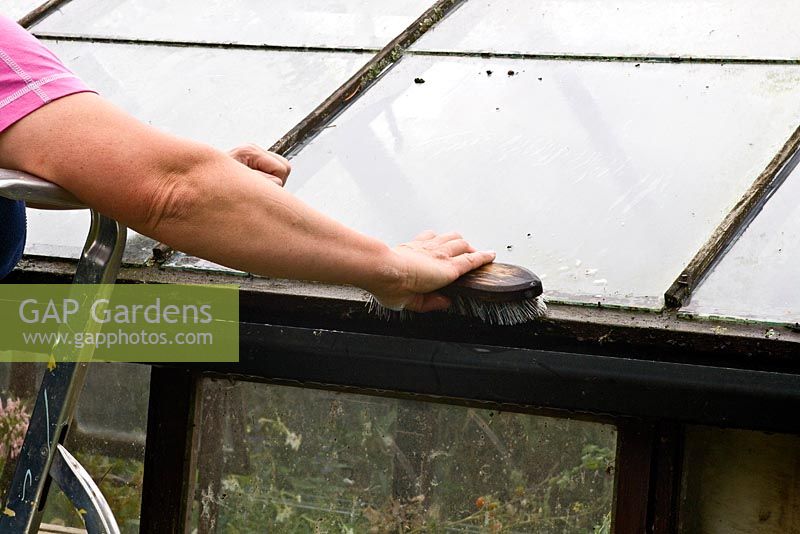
(12, 234)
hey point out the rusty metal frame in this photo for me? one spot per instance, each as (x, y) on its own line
(605, 58)
(40, 12)
(734, 223)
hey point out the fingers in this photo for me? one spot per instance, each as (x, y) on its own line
(271, 178)
(428, 302)
(424, 236)
(448, 236)
(261, 160)
(472, 260)
(438, 239)
(457, 247)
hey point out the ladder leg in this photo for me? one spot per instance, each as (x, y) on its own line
(60, 389)
(83, 493)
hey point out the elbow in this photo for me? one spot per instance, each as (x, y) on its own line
(174, 192)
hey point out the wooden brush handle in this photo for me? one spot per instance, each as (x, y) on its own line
(497, 281)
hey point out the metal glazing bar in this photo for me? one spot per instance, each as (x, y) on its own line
(735, 222)
(40, 12)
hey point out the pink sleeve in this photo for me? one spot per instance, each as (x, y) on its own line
(30, 75)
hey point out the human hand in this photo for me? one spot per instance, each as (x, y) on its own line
(428, 263)
(273, 166)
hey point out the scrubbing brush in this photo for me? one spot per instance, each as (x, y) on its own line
(496, 293)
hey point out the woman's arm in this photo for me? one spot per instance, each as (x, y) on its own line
(203, 202)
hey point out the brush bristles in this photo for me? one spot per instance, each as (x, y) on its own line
(499, 313)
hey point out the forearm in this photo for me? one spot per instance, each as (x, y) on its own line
(233, 216)
(204, 202)
(188, 195)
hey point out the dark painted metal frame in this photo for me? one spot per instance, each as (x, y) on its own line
(649, 401)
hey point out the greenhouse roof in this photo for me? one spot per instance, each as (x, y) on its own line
(639, 156)
(639, 159)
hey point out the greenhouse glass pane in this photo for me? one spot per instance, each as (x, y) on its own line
(108, 438)
(282, 459)
(16, 9)
(223, 97)
(703, 28)
(62, 234)
(604, 178)
(739, 481)
(338, 23)
(757, 277)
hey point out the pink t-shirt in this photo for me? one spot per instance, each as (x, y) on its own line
(30, 75)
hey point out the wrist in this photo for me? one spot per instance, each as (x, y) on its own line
(387, 273)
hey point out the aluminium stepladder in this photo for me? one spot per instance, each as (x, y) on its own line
(43, 458)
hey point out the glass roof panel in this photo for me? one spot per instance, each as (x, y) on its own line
(16, 9)
(604, 178)
(223, 97)
(339, 23)
(703, 28)
(757, 278)
(58, 234)
(61, 234)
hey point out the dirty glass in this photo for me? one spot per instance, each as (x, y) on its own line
(108, 438)
(323, 23)
(107, 435)
(740, 481)
(16, 9)
(603, 178)
(757, 277)
(182, 261)
(222, 97)
(283, 459)
(704, 28)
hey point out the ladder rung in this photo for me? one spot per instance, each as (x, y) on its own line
(57, 529)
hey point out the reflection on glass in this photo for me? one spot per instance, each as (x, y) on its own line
(282, 459)
(603, 178)
(16, 9)
(740, 481)
(219, 96)
(703, 28)
(340, 23)
(757, 277)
